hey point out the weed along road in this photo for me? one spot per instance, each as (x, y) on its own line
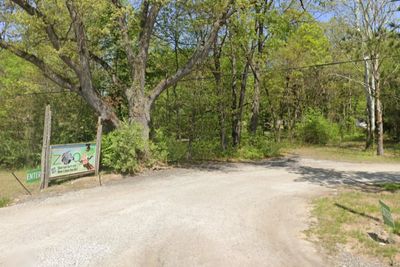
(210, 215)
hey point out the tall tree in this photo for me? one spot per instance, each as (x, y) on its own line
(66, 32)
(371, 19)
(261, 8)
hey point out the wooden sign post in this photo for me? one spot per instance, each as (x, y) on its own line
(45, 163)
(98, 148)
(69, 159)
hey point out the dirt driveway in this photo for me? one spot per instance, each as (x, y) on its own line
(213, 215)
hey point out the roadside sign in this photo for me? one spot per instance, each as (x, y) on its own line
(70, 159)
(33, 175)
(386, 214)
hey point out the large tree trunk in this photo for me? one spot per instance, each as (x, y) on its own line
(136, 50)
(140, 113)
(139, 105)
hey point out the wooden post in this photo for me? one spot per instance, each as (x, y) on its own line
(98, 146)
(45, 162)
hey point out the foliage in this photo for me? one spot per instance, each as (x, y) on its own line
(124, 150)
(396, 229)
(24, 93)
(393, 187)
(158, 148)
(296, 98)
(258, 147)
(4, 202)
(316, 129)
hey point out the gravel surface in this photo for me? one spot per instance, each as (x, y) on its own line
(211, 215)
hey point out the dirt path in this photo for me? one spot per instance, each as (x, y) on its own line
(214, 215)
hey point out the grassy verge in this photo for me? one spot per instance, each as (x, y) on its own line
(10, 189)
(4, 202)
(353, 218)
(347, 151)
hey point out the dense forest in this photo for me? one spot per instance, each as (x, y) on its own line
(183, 80)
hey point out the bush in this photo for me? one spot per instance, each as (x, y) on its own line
(177, 150)
(206, 149)
(15, 153)
(316, 129)
(257, 147)
(124, 150)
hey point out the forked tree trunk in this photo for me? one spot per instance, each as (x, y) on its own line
(136, 49)
(140, 103)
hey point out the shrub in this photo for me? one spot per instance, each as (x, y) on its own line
(257, 147)
(206, 149)
(177, 150)
(124, 150)
(316, 129)
(249, 152)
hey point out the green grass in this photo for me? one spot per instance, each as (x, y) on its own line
(392, 187)
(351, 151)
(4, 202)
(10, 188)
(348, 217)
(396, 229)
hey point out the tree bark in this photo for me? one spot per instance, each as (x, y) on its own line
(379, 111)
(139, 102)
(234, 106)
(217, 52)
(260, 9)
(256, 100)
(240, 107)
(369, 87)
(87, 90)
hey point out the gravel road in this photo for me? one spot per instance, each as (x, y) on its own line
(211, 215)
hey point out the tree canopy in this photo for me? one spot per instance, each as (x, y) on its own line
(205, 78)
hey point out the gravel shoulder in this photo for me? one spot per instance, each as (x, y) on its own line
(212, 215)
